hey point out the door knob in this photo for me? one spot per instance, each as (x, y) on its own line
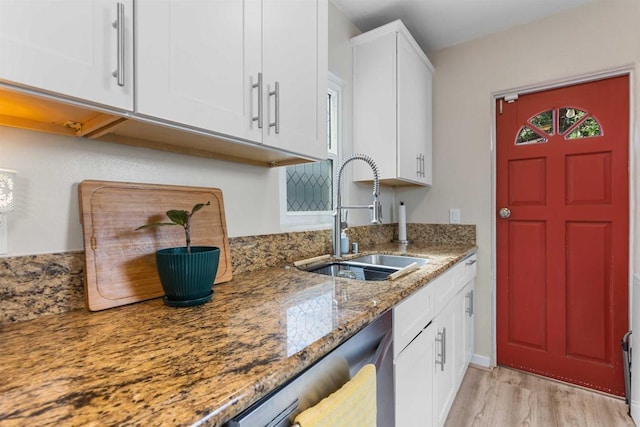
(504, 213)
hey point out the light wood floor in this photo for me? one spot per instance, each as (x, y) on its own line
(508, 398)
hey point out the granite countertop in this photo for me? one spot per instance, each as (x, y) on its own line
(148, 364)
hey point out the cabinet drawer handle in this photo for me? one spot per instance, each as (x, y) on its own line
(470, 262)
(258, 85)
(276, 94)
(118, 24)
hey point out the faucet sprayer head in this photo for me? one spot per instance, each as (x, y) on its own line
(376, 212)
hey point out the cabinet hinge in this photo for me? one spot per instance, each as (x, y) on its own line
(77, 126)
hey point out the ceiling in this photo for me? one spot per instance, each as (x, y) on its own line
(436, 24)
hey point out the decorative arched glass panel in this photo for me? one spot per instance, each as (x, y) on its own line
(544, 121)
(568, 117)
(529, 136)
(588, 128)
(571, 122)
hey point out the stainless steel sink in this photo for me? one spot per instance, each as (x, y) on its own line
(398, 261)
(368, 267)
(350, 270)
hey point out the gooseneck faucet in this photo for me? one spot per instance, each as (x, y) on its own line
(376, 207)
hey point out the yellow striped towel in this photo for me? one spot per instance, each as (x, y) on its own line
(354, 404)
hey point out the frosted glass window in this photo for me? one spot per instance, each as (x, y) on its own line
(310, 187)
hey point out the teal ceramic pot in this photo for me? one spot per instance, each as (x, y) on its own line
(187, 279)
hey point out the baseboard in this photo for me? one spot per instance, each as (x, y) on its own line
(481, 361)
(635, 411)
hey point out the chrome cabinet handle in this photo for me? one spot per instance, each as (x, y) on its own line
(470, 262)
(444, 347)
(258, 85)
(420, 165)
(118, 24)
(441, 339)
(504, 213)
(469, 309)
(276, 93)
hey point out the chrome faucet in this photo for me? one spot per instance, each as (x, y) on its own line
(376, 207)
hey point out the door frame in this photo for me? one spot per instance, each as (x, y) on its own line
(628, 70)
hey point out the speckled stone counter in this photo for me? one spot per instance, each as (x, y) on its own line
(147, 364)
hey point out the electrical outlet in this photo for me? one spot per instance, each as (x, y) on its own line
(454, 216)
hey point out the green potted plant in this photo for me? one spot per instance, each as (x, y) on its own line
(186, 273)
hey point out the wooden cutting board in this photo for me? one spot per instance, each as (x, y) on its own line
(120, 265)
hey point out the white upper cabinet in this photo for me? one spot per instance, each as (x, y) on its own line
(295, 57)
(393, 105)
(69, 48)
(197, 61)
(253, 70)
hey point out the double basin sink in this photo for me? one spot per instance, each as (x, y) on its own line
(374, 267)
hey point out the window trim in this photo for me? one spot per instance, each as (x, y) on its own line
(317, 219)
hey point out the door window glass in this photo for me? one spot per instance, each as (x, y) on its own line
(568, 117)
(529, 136)
(571, 122)
(544, 121)
(588, 128)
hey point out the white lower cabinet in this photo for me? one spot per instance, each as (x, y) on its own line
(468, 327)
(413, 370)
(444, 377)
(430, 363)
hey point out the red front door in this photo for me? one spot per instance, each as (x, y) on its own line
(562, 232)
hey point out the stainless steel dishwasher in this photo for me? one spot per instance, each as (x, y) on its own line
(373, 344)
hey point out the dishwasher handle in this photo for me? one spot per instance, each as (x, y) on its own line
(284, 415)
(383, 350)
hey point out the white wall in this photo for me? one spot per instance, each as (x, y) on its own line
(46, 217)
(586, 40)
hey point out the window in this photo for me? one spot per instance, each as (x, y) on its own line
(306, 190)
(570, 122)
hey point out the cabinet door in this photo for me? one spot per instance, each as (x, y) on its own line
(414, 381)
(295, 57)
(197, 62)
(444, 373)
(374, 109)
(469, 322)
(459, 358)
(414, 114)
(69, 47)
